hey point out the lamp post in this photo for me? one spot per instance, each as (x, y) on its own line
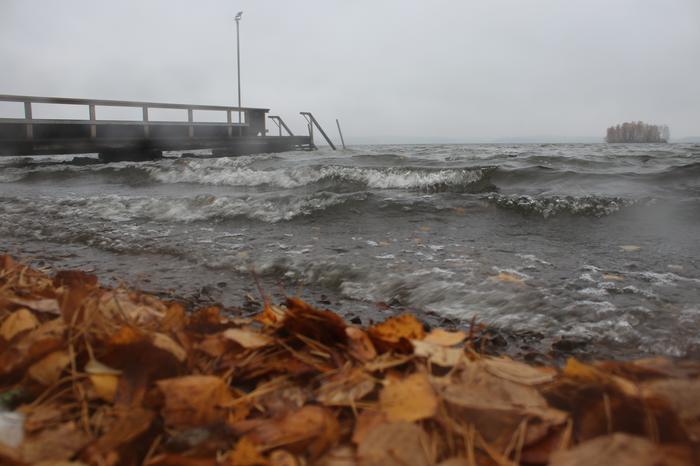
(238, 60)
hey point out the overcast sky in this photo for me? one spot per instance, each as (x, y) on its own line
(392, 71)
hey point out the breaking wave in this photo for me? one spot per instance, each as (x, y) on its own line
(114, 208)
(595, 206)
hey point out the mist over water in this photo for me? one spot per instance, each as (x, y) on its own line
(594, 244)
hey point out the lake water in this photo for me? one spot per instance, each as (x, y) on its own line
(595, 245)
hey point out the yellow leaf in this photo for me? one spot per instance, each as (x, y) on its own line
(167, 344)
(437, 354)
(18, 322)
(105, 385)
(410, 399)
(442, 337)
(509, 278)
(248, 339)
(630, 248)
(48, 370)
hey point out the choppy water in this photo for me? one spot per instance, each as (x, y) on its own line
(599, 244)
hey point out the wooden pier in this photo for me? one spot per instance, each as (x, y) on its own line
(142, 139)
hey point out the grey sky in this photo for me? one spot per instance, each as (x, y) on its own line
(390, 70)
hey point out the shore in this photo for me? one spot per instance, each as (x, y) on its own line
(99, 375)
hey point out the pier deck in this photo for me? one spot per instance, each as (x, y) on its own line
(138, 139)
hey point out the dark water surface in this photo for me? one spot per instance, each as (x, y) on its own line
(594, 244)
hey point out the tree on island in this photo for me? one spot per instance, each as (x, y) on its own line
(638, 132)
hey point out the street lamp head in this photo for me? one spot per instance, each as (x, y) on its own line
(238, 15)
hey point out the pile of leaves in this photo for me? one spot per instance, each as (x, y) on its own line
(100, 376)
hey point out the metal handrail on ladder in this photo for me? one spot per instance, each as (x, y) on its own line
(312, 121)
(277, 120)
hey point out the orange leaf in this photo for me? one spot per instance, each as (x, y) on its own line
(395, 332)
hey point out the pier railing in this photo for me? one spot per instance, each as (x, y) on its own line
(252, 119)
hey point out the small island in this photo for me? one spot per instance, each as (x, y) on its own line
(638, 132)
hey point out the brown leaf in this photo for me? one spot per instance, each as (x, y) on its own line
(345, 388)
(395, 444)
(496, 407)
(325, 327)
(56, 444)
(195, 400)
(343, 455)
(311, 429)
(283, 458)
(518, 372)
(19, 321)
(47, 305)
(169, 459)
(366, 421)
(684, 398)
(119, 442)
(248, 339)
(360, 344)
(410, 399)
(621, 450)
(395, 333)
(48, 370)
(32, 346)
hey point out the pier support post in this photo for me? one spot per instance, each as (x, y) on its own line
(28, 116)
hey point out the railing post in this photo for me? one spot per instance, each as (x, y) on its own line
(228, 120)
(190, 118)
(28, 116)
(146, 129)
(93, 126)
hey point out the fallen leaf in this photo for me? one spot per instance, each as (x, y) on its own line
(395, 444)
(270, 315)
(164, 342)
(311, 429)
(343, 455)
(195, 400)
(19, 321)
(283, 458)
(117, 443)
(509, 278)
(517, 371)
(395, 333)
(32, 346)
(47, 305)
(409, 399)
(683, 396)
(360, 344)
(497, 407)
(630, 248)
(620, 450)
(345, 388)
(247, 338)
(445, 338)
(437, 354)
(169, 459)
(245, 453)
(56, 444)
(48, 370)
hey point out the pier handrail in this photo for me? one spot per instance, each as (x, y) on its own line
(119, 103)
